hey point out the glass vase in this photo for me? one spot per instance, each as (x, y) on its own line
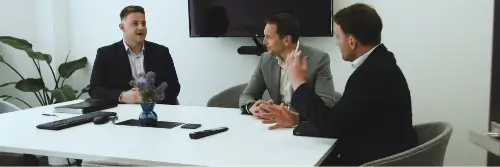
(148, 117)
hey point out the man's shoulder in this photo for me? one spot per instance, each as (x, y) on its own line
(267, 59)
(106, 51)
(153, 45)
(119, 45)
(266, 56)
(315, 56)
(312, 51)
(112, 46)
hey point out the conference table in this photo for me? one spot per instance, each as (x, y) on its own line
(247, 142)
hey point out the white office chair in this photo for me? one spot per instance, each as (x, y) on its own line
(6, 107)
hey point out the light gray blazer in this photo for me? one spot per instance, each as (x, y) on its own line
(268, 72)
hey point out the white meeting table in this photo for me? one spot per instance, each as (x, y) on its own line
(248, 142)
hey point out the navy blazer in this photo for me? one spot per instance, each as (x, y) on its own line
(372, 120)
(112, 73)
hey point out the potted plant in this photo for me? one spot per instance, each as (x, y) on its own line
(61, 92)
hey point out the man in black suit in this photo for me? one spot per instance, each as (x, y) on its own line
(373, 119)
(117, 64)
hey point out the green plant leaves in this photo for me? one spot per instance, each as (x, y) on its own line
(65, 93)
(22, 44)
(35, 85)
(16, 42)
(39, 56)
(6, 84)
(86, 89)
(67, 69)
(7, 97)
(30, 85)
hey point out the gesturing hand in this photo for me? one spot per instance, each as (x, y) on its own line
(296, 68)
(280, 115)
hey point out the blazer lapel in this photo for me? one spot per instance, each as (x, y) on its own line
(148, 59)
(274, 71)
(123, 59)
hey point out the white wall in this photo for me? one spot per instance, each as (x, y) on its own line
(205, 66)
(31, 20)
(20, 24)
(443, 47)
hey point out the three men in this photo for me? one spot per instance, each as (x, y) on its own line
(373, 119)
(281, 38)
(117, 64)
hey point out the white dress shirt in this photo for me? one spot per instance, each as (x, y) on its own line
(286, 89)
(136, 63)
(356, 63)
(136, 60)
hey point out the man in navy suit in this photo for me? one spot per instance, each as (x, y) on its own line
(117, 64)
(373, 119)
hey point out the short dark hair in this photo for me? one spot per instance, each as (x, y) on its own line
(362, 22)
(286, 24)
(131, 9)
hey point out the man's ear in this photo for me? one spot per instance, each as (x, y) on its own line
(288, 39)
(352, 42)
(120, 26)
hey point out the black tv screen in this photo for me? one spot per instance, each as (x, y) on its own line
(245, 18)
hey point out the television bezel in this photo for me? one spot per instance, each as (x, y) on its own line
(259, 35)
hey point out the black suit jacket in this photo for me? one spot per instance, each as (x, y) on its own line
(112, 72)
(372, 120)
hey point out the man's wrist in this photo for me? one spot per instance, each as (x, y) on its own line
(296, 118)
(120, 97)
(248, 106)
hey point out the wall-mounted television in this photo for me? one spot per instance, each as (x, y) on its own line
(245, 18)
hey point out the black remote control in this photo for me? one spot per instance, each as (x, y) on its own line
(208, 132)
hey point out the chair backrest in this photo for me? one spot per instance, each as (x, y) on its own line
(7, 107)
(229, 98)
(433, 140)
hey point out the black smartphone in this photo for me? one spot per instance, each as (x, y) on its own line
(190, 126)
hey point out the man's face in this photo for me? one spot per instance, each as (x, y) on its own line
(275, 45)
(134, 27)
(346, 43)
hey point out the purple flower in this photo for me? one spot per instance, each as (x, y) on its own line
(150, 75)
(162, 96)
(163, 86)
(148, 91)
(141, 85)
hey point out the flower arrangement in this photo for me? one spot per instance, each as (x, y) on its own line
(147, 89)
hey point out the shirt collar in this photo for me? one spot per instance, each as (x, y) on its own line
(356, 63)
(281, 62)
(127, 48)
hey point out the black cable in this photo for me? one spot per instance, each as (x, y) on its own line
(69, 163)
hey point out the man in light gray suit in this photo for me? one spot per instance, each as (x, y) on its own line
(281, 38)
